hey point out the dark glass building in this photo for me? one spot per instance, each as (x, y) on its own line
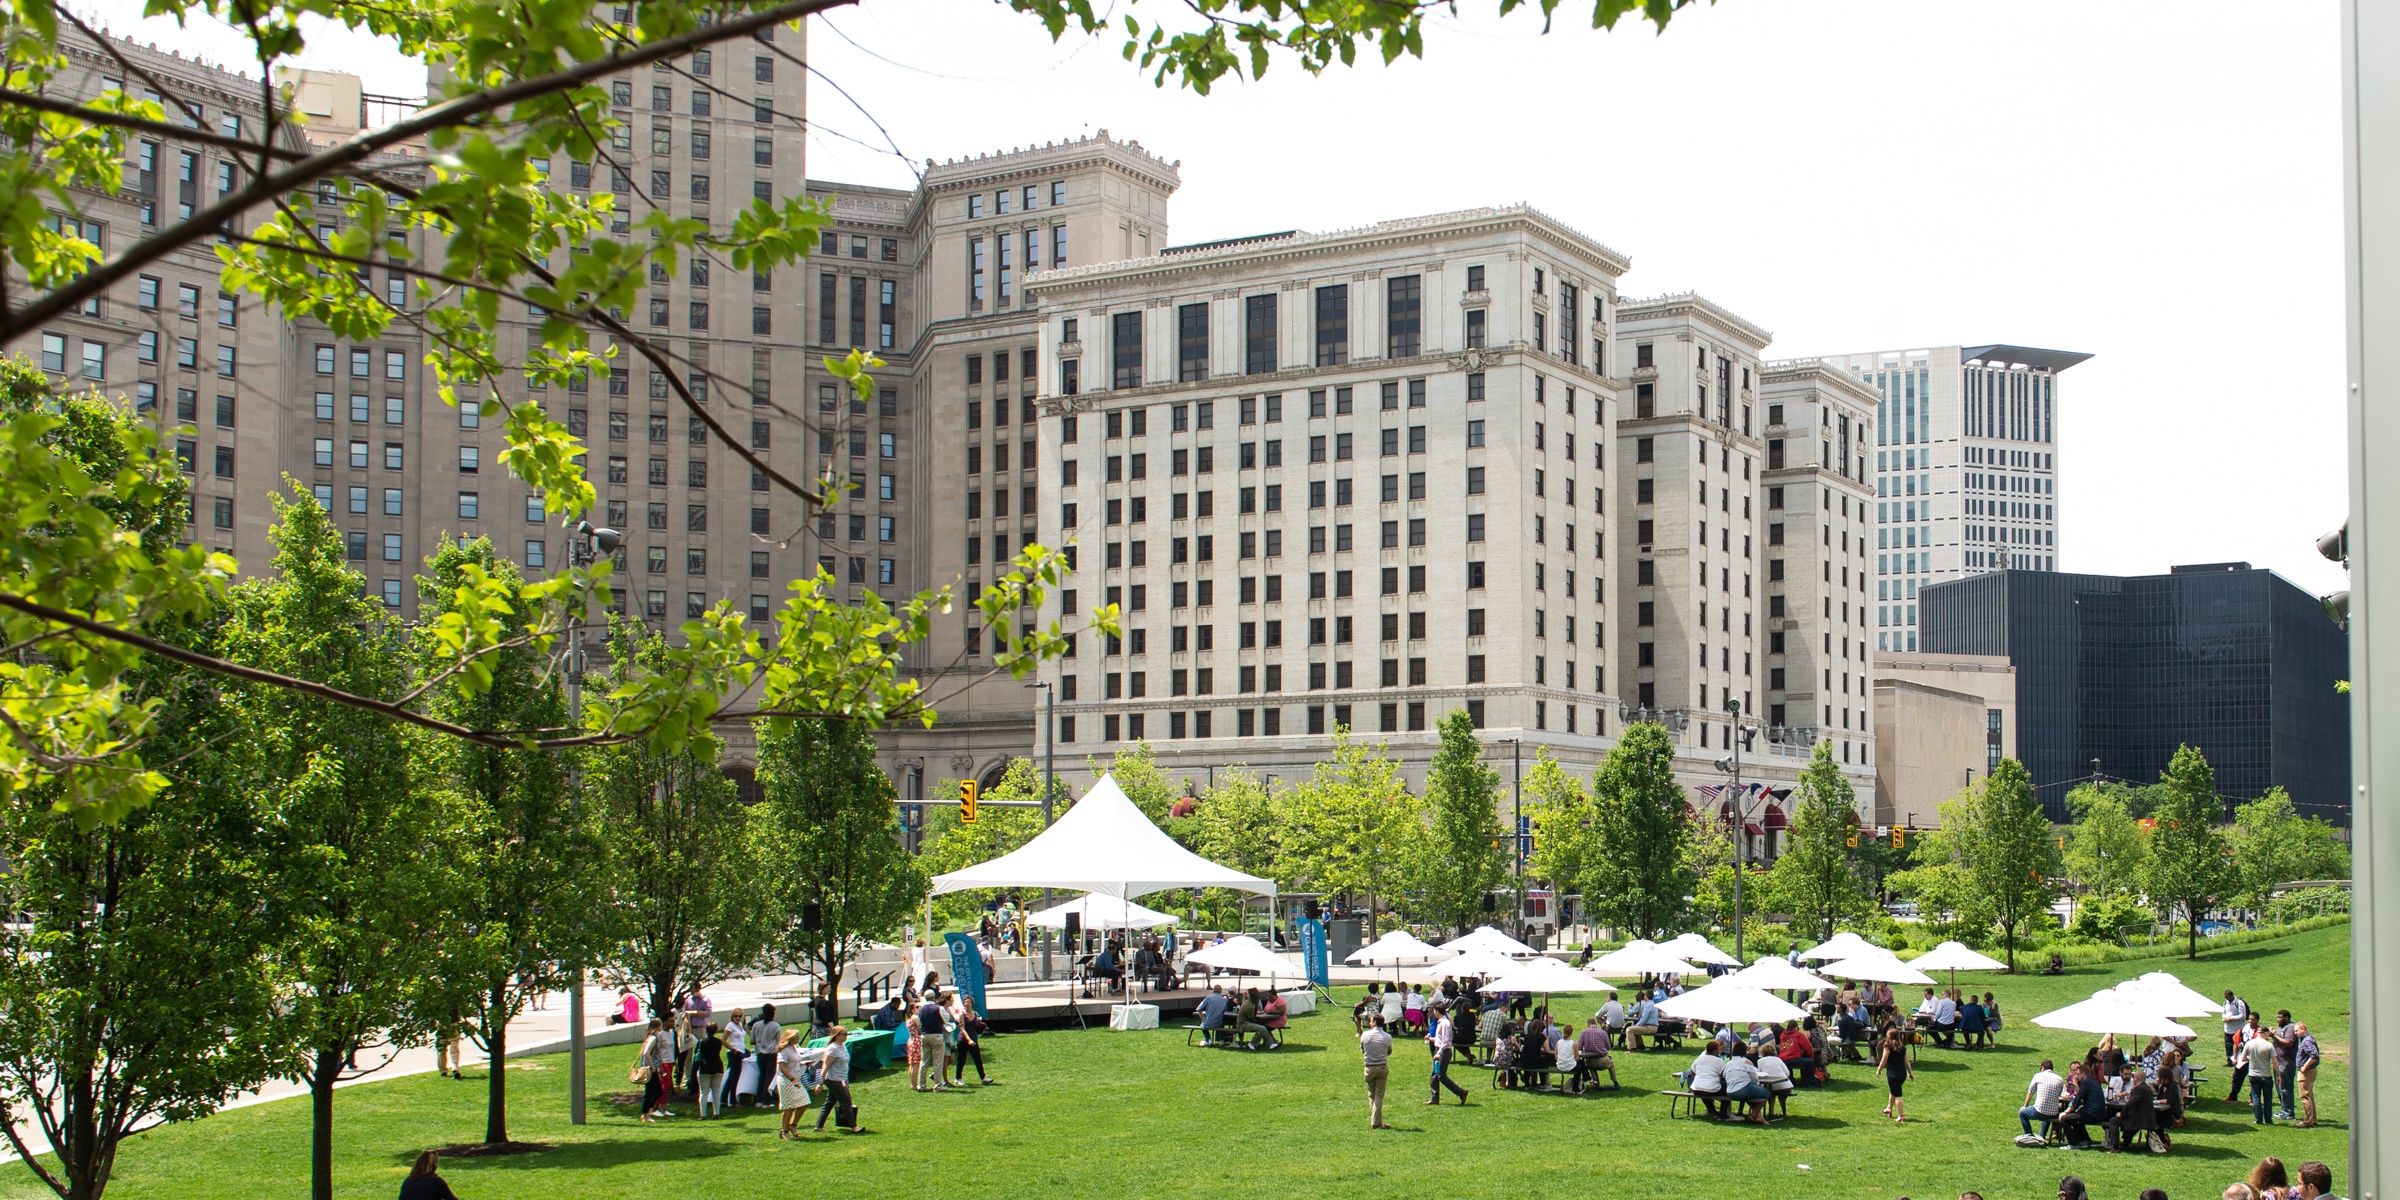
(2224, 656)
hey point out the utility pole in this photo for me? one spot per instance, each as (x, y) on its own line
(582, 542)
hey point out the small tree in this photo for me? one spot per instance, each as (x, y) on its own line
(827, 843)
(1236, 827)
(1458, 860)
(2272, 844)
(1817, 879)
(1645, 860)
(2009, 852)
(2106, 846)
(2188, 864)
(1344, 829)
(677, 847)
(1565, 823)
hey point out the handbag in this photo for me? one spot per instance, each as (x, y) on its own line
(639, 1074)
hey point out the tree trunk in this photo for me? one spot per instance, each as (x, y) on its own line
(2191, 926)
(320, 1104)
(495, 1118)
(80, 1158)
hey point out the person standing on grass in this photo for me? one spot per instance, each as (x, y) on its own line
(916, 1049)
(791, 1093)
(834, 1061)
(652, 1070)
(1894, 1064)
(2286, 1037)
(1375, 1050)
(425, 1180)
(765, 1033)
(2236, 1014)
(736, 1036)
(1439, 1037)
(708, 1071)
(933, 1036)
(2305, 1059)
(970, 1028)
(2258, 1058)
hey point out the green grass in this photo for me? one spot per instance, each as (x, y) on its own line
(1095, 1113)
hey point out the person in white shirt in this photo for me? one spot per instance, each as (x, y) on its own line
(2236, 1014)
(1776, 1074)
(1707, 1074)
(1612, 1014)
(2043, 1098)
(1375, 1048)
(1945, 1020)
(1441, 1038)
(737, 1057)
(1742, 1086)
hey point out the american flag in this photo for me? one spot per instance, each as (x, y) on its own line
(1711, 790)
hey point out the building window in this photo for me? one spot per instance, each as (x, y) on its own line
(1191, 343)
(1333, 325)
(1125, 350)
(1403, 316)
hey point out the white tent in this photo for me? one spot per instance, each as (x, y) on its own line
(1106, 846)
(1399, 948)
(1100, 912)
(1874, 968)
(1772, 974)
(1842, 945)
(1487, 938)
(2115, 1010)
(1245, 953)
(2171, 996)
(1726, 1001)
(1544, 975)
(1639, 957)
(1691, 947)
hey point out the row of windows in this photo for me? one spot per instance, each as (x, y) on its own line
(980, 268)
(1394, 717)
(1030, 194)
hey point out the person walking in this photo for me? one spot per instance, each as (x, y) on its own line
(969, 1025)
(791, 1093)
(1375, 1050)
(650, 1068)
(933, 1026)
(834, 1063)
(1894, 1064)
(425, 1180)
(2306, 1059)
(1439, 1038)
(708, 1071)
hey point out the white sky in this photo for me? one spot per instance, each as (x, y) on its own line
(2155, 183)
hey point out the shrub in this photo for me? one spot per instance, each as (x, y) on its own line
(2107, 919)
(2306, 903)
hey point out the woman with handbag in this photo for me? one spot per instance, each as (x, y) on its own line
(791, 1092)
(833, 1063)
(967, 1029)
(646, 1072)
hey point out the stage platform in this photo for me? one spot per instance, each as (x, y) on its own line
(1024, 1005)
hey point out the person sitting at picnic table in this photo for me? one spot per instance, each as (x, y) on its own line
(2171, 1078)
(2137, 1120)
(1503, 1052)
(1945, 1020)
(1569, 1064)
(1991, 1017)
(1971, 1022)
(1592, 1053)
(1413, 1011)
(1212, 1009)
(1275, 1015)
(1706, 1077)
(1798, 1053)
(2045, 1096)
(1612, 1014)
(1847, 998)
(1742, 1085)
(1855, 1025)
(1368, 1005)
(2084, 1102)
(890, 1016)
(1395, 1009)
(2112, 1060)
(1645, 1022)
(1879, 999)
(1776, 1074)
(1488, 1028)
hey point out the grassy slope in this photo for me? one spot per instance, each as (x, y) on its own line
(1097, 1113)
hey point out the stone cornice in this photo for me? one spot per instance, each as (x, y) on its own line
(1128, 157)
(1692, 304)
(1824, 372)
(1383, 234)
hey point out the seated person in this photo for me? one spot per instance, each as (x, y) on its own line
(1775, 1074)
(1568, 1062)
(1107, 966)
(1212, 1010)
(1742, 1086)
(1274, 1014)
(1504, 1058)
(1395, 1010)
(1855, 1025)
(1798, 1053)
(2058, 965)
(1971, 1023)
(2134, 1124)
(2045, 1096)
(1706, 1077)
(2085, 1105)
(1945, 1021)
(1613, 1015)
(1645, 1022)
(1592, 1055)
(889, 1016)
(1488, 1028)
(1413, 1009)
(1248, 1022)
(1368, 1005)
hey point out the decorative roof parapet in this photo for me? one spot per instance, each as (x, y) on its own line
(1287, 246)
(1826, 370)
(1131, 155)
(1628, 310)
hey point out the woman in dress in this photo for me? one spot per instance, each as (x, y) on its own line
(791, 1095)
(1893, 1062)
(916, 1051)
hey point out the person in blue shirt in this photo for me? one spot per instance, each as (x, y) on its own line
(1645, 1022)
(1212, 1009)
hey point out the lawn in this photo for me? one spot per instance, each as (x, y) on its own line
(1100, 1113)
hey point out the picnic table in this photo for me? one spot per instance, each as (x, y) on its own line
(868, 1047)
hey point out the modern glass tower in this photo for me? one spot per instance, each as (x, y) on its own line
(1966, 468)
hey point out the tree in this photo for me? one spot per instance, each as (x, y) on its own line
(948, 845)
(2188, 864)
(534, 884)
(1565, 824)
(1236, 827)
(1458, 860)
(1135, 768)
(1642, 872)
(1344, 828)
(677, 848)
(2008, 851)
(2272, 844)
(1817, 878)
(362, 865)
(2105, 845)
(827, 843)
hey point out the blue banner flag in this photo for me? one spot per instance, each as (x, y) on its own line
(1313, 957)
(966, 969)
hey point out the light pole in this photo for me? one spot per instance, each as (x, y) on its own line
(1740, 732)
(1516, 831)
(585, 543)
(1049, 784)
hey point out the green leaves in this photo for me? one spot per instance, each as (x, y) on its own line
(1817, 878)
(1640, 862)
(1459, 858)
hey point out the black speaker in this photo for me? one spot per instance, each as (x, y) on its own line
(1311, 909)
(1074, 926)
(1490, 904)
(812, 917)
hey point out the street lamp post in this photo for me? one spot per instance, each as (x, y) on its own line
(1049, 784)
(1516, 832)
(585, 544)
(1740, 733)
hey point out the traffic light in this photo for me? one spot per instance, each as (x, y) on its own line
(966, 801)
(1854, 837)
(1899, 838)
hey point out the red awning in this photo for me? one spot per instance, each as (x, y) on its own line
(1775, 817)
(1751, 828)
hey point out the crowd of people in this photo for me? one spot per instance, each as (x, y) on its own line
(2311, 1180)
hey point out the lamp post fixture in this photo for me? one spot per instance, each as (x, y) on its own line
(585, 544)
(1049, 784)
(1516, 832)
(1741, 731)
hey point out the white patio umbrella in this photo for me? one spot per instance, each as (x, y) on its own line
(1840, 946)
(1639, 957)
(1772, 974)
(1726, 1001)
(1691, 947)
(1875, 968)
(1955, 957)
(1100, 912)
(1544, 975)
(2172, 996)
(2114, 1010)
(1245, 953)
(1487, 938)
(1399, 948)
(1471, 965)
